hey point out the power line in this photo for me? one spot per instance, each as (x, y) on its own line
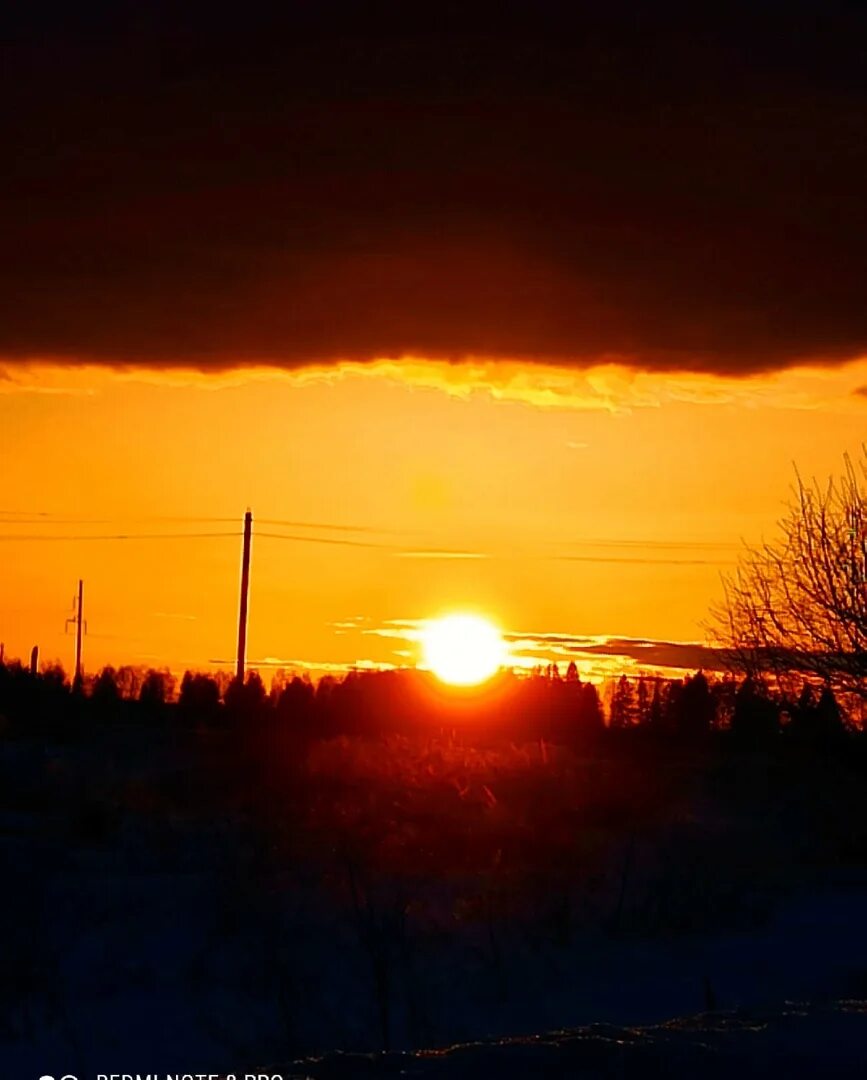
(666, 545)
(635, 561)
(332, 527)
(698, 547)
(51, 517)
(120, 536)
(329, 540)
(28, 517)
(50, 523)
(48, 520)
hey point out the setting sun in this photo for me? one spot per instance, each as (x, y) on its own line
(463, 649)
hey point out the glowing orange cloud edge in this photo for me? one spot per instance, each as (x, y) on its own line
(612, 384)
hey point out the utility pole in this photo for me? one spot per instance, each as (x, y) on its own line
(77, 618)
(245, 590)
(34, 660)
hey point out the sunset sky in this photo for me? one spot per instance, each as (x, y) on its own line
(487, 313)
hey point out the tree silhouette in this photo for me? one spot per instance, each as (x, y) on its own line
(247, 697)
(642, 704)
(199, 697)
(591, 715)
(829, 716)
(696, 706)
(655, 713)
(156, 689)
(105, 692)
(756, 717)
(622, 704)
(798, 604)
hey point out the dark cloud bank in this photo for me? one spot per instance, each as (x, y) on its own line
(340, 182)
(647, 652)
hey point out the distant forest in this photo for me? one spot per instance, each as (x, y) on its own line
(545, 704)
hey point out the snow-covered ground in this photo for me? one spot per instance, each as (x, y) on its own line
(141, 945)
(797, 1039)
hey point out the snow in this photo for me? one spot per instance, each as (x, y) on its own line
(138, 943)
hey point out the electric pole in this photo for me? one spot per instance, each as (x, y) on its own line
(78, 620)
(34, 661)
(245, 590)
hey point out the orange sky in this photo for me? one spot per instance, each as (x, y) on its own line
(595, 503)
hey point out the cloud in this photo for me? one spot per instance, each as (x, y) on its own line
(597, 656)
(667, 195)
(605, 387)
(33, 379)
(443, 554)
(637, 652)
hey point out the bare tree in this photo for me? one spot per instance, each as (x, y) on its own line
(797, 606)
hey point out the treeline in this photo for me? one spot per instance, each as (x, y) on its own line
(543, 704)
(750, 708)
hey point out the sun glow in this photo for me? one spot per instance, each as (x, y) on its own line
(463, 650)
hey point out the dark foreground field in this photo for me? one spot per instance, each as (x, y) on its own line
(212, 901)
(797, 1039)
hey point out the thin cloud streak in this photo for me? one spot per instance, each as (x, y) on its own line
(600, 654)
(443, 555)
